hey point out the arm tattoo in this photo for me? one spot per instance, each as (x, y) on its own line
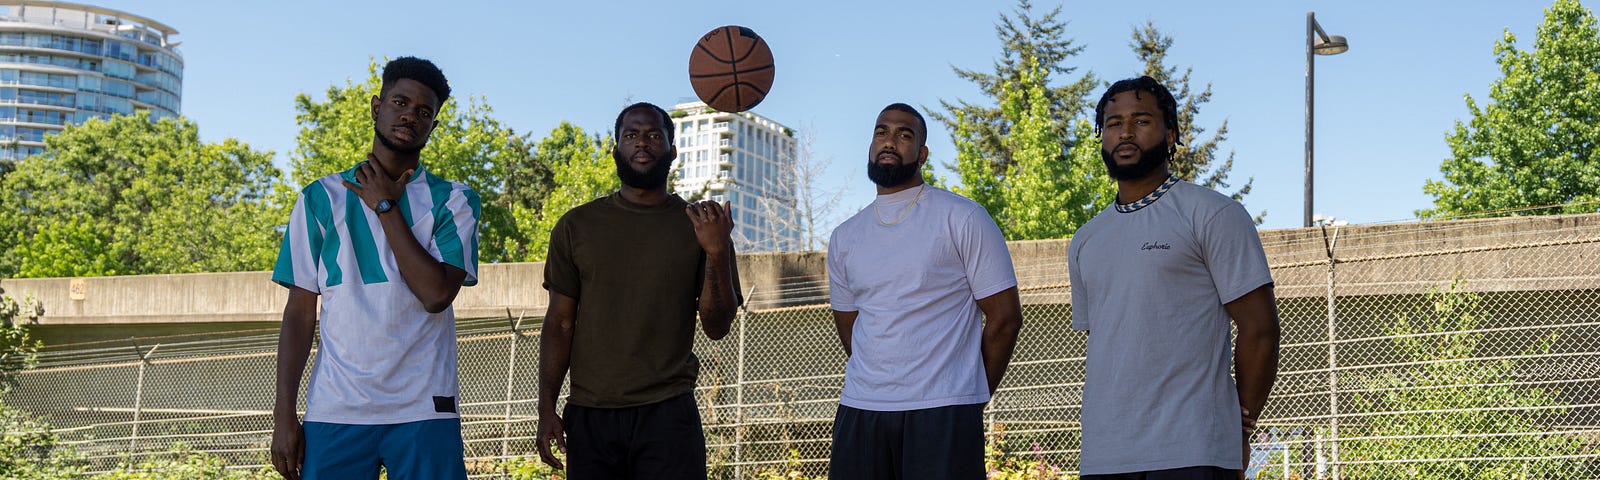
(715, 284)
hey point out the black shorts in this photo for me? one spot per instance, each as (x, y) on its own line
(657, 441)
(928, 444)
(1187, 473)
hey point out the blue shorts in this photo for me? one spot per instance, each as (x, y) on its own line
(428, 449)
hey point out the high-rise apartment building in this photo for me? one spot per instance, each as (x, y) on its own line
(64, 63)
(744, 159)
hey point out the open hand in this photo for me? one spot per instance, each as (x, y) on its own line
(712, 225)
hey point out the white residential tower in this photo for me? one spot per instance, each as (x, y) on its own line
(747, 160)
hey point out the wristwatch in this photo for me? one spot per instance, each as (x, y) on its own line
(384, 206)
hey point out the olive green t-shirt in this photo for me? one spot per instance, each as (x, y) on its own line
(636, 272)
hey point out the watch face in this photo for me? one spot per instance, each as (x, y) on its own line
(385, 205)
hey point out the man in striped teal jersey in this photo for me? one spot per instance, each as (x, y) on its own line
(387, 246)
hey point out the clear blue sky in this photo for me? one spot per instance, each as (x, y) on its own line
(1383, 108)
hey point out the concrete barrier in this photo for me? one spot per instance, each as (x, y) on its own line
(1299, 257)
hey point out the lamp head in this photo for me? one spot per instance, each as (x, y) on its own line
(1330, 45)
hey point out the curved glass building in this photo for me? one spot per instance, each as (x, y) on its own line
(63, 63)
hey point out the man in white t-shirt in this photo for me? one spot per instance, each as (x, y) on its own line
(1156, 279)
(387, 246)
(925, 301)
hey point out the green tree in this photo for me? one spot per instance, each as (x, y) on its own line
(134, 196)
(528, 183)
(1042, 197)
(583, 170)
(1028, 43)
(1023, 158)
(976, 173)
(1453, 408)
(1535, 143)
(468, 146)
(68, 247)
(1195, 160)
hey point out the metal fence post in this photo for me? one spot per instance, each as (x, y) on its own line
(1330, 242)
(511, 375)
(138, 393)
(1286, 448)
(738, 389)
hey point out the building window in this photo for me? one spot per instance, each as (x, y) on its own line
(30, 134)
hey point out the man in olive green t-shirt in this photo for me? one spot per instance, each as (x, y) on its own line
(627, 274)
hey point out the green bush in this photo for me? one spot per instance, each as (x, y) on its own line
(18, 351)
(1455, 414)
(1007, 465)
(791, 470)
(526, 468)
(28, 451)
(183, 463)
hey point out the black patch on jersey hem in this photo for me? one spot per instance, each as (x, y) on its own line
(444, 404)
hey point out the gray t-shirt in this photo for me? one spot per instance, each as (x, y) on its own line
(1149, 286)
(915, 285)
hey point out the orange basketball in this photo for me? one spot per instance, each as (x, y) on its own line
(731, 68)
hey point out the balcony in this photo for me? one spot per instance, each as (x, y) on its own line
(726, 145)
(39, 105)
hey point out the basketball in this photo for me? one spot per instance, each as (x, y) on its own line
(731, 69)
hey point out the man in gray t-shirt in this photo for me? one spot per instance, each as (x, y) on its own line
(1156, 278)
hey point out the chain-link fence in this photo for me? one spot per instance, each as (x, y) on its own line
(1453, 350)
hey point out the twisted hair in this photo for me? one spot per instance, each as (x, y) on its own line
(1144, 84)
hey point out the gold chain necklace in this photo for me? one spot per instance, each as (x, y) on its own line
(903, 214)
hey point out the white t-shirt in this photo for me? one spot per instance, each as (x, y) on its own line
(1150, 286)
(919, 332)
(382, 359)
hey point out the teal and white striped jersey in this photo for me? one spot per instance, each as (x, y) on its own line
(383, 359)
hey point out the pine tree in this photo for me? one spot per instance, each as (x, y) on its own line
(1195, 158)
(1021, 158)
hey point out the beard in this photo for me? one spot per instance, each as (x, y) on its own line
(1148, 161)
(651, 179)
(396, 147)
(889, 176)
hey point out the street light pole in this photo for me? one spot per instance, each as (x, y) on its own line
(1311, 65)
(1328, 45)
